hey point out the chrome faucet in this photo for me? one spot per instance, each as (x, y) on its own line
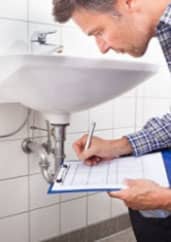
(41, 39)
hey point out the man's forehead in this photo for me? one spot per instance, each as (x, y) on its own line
(88, 21)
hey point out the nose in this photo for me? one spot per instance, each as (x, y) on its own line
(103, 46)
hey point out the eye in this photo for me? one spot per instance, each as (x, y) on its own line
(99, 33)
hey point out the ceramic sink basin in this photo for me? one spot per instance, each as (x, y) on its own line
(60, 85)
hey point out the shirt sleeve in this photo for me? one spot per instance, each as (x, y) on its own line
(155, 135)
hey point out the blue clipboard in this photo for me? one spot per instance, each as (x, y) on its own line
(167, 162)
(166, 154)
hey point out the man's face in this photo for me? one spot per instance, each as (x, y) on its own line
(127, 32)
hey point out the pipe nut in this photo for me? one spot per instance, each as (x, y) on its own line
(25, 145)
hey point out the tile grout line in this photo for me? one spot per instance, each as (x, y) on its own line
(29, 21)
(60, 215)
(29, 190)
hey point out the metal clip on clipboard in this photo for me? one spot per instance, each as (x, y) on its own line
(62, 173)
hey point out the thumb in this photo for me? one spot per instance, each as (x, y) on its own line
(117, 194)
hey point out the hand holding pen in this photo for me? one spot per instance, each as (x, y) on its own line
(92, 149)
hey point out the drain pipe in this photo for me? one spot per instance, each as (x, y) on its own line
(59, 139)
(45, 149)
(29, 147)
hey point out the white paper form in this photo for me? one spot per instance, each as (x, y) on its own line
(110, 175)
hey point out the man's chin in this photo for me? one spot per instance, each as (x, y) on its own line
(136, 54)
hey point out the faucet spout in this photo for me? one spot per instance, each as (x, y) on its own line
(39, 39)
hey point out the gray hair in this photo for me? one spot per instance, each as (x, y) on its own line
(63, 9)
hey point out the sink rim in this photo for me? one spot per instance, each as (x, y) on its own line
(68, 60)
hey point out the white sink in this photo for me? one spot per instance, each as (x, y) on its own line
(60, 85)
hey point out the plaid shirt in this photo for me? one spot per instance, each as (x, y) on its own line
(156, 134)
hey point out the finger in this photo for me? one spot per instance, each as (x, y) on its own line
(93, 161)
(79, 145)
(81, 141)
(120, 194)
(90, 163)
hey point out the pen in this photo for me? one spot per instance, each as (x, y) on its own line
(90, 135)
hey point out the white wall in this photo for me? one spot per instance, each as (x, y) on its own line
(27, 214)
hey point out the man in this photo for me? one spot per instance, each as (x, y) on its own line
(127, 26)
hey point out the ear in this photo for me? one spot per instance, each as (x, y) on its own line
(133, 5)
(127, 5)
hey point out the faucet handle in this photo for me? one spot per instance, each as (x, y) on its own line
(50, 32)
(40, 37)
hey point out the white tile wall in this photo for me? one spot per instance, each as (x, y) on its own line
(155, 107)
(73, 215)
(38, 193)
(102, 115)
(14, 196)
(159, 85)
(139, 112)
(25, 206)
(44, 223)
(13, 163)
(78, 44)
(99, 208)
(14, 37)
(124, 112)
(104, 134)
(78, 122)
(71, 138)
(14, 229)
(12, 117)
(121, 132)
(17, 9)
(71, 196)
(39, 12)
(141, 88)
(118, 207)
(154, 53)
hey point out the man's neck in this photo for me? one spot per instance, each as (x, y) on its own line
(157, 11)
